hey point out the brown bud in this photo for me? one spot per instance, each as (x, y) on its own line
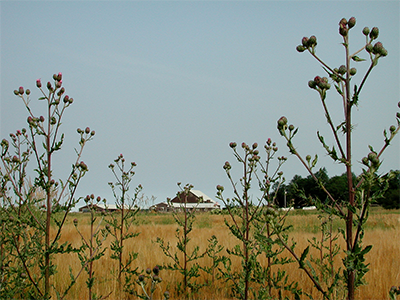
(374, 33)
(352, 22)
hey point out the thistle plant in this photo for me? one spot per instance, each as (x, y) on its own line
(120, 223)
(255, 223)
(184, 261)
(354, 211)
(92, 248)
(31, 209)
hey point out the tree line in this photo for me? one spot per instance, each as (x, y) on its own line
(301, 191)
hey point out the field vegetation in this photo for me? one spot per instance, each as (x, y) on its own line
(383, 232)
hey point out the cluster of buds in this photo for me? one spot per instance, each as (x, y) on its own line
(270, 146)
(282, 124)
(373, 34)
(376, 49)
(154, 275)
(345, 26)
(34, 121)
(4, 146)
(227, 166)
(82, 166)
(86, 131)
(307, 44)
(371, 160)
(21, 91)
(270, 214)
(319, 83)
(58, 80)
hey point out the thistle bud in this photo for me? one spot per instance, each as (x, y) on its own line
(21, 90)
(378, 48)
(365, 31)
(141, 278)
(16, 92)
(148, 271)
(312, 41)
(291, 127)
(232, 144)
(371, 155)
(374, 33)
(58, 84)
(369, 48)
(255, 145)
(392, 128)
(365, 161)
(312, 84)
(300, 48)
(59, 76)
(75, 222)
(352, 22)
(38, 83)
(304, 41)
(343, 31)
(156, 270)
(343, 22)
(49, 87)
(282, 122)
(28, 91)
(92, 133)
(87, 130)
(353, 71)
(269, 141)
(66, 99)
(342, 69)
(55, 77)
(398, 115)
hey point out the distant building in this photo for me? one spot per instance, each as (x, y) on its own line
(194, 200)
(101, 207)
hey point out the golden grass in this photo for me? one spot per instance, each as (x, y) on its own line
(383, 232)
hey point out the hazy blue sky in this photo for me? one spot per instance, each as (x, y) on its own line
(170, 83)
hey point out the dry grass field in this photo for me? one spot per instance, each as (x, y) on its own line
(383, 232)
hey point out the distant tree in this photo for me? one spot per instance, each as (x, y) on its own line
(391, 198)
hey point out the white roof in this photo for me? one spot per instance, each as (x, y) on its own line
(111, 206)
(201, 194)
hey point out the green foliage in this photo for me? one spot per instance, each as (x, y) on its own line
(258, 227)
(184, 261)
(29, 209)
(120, 223)
(92, 248)
(351, 207)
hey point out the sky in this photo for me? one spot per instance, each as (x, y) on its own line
(169, 84)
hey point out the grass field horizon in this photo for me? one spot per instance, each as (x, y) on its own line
(382, 231)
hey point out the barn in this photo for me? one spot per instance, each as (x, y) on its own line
(194, 200)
